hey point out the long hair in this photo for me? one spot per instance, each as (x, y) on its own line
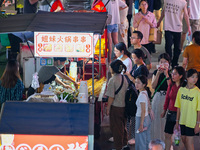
(117, 66)
(10, 75)
(164, 56)
(190, 72)
(144, 81)
(181, 71)
(122, 47)
(139, 53)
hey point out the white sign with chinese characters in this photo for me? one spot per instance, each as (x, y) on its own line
(62, 44)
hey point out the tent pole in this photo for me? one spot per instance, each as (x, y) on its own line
(31, 51)
(99, 55)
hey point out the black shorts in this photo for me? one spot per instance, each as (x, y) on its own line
(187, 131)
(170, 122)
(169, 127)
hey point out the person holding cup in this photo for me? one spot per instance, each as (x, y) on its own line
(160, 82)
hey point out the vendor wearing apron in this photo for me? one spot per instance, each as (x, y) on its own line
(47, 74)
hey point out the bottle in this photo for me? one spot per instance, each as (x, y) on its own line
(176, 137)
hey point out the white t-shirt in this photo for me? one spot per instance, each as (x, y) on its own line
(174, 10)
(142, 98)
(194, 9)
(113, 9)
(128, 63)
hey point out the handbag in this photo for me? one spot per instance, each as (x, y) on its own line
(153, 34)
(159, 38)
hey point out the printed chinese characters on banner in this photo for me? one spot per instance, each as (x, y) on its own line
(53, 44)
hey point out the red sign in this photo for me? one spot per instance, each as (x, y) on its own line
(43, 142)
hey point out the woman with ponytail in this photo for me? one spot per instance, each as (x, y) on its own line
(124, 55)
(142, 119)
(116, 103)
(139, 67)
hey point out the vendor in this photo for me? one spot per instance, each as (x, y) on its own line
(47, 74)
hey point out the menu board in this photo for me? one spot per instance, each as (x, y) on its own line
(43, 142)
(63, 44)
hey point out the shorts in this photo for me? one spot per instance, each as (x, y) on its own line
(187, 131)
(169, 126)
(112, 28)
(195, 25)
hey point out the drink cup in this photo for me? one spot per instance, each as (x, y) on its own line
(82, 98)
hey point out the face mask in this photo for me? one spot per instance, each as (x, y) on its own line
(121, 56)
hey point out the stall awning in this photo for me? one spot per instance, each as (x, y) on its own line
(44, 118)
(55, 22)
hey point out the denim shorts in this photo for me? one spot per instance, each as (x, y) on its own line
(112, 28)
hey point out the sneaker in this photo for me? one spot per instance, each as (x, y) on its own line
(131, 141)
(111, 139)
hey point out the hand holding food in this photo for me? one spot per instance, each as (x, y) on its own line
(67, 87)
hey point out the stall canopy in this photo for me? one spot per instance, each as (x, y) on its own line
(44, 118)
(55, 22)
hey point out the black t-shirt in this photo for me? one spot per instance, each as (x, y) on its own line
(164, 86)
(141, 70)
(28, 8)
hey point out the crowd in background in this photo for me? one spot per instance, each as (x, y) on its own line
(177, 94)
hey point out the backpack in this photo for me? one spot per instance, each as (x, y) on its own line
(130, 99)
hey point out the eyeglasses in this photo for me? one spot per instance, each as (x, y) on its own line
(133, 37)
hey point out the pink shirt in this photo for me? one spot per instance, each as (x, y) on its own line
(143, 26)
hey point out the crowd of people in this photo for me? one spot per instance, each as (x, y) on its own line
(176, 94)
(175, 102)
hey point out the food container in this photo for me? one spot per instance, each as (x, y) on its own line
(82, 98)
(83, 88)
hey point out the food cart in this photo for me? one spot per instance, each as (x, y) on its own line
(82, 29)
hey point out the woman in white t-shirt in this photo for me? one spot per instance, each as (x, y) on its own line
(124, 55)
(143, 122)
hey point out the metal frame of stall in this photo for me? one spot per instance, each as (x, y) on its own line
(92, 100)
